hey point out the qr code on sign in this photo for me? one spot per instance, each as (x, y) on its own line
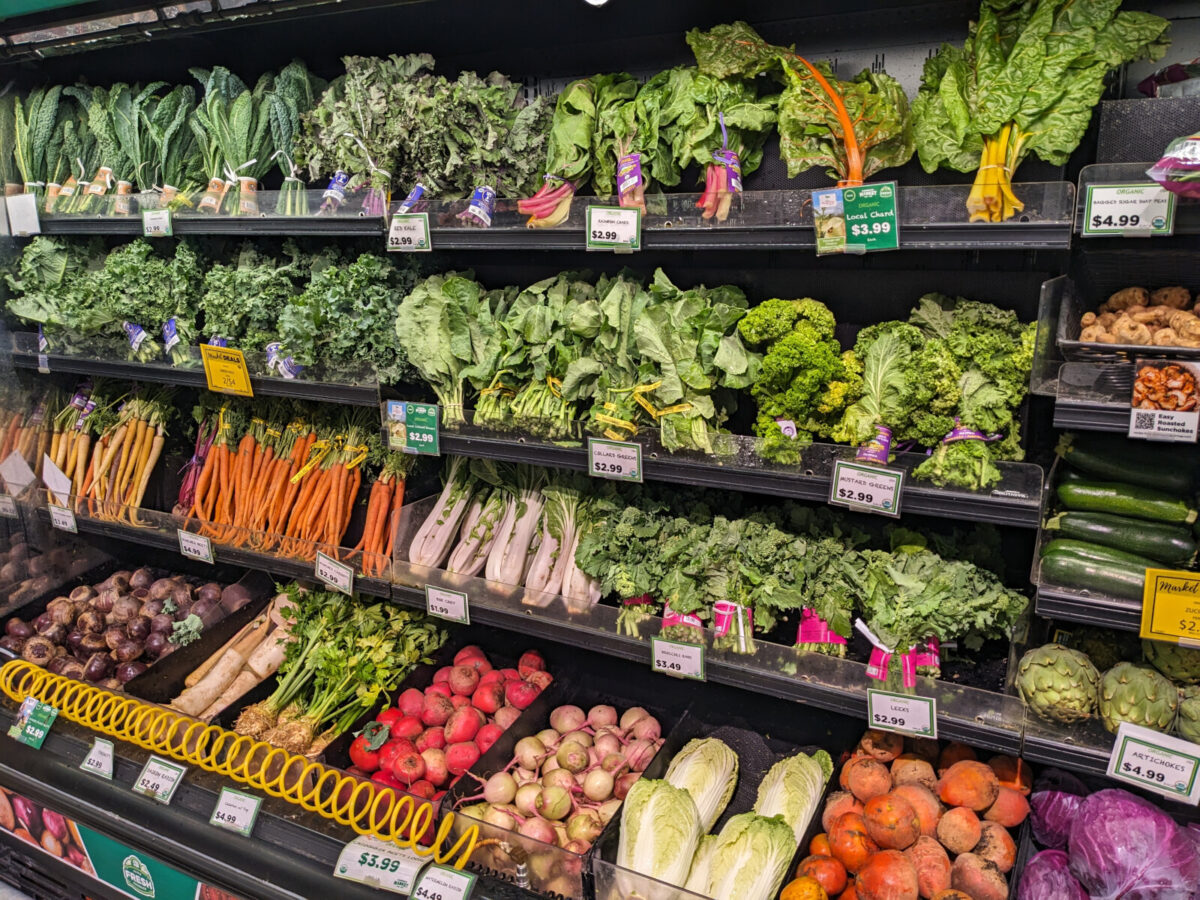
(1143, 421)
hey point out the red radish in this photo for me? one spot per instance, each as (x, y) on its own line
(441, 687)
(520, 694)
(422, 788)
(407, 727)
(442, 674)
(411, 702)
(506, 715)
(387, 778)
(434, 736)
(464, 680)
(435, 766)
(488, 698)
(463, 725)
(389, 716)
(408, 767)
(487, 736)
(530, 661)
(511, 674)
(540, 680)
(389, 751)
(437, 709)
(460, 757)
(460, 700)
(471, 651)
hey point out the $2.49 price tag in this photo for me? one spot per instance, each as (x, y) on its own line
(618, 460)
(369, 860)
(159, 779)
(902, 713)
(614, 228)
(442, 883)
(1156, 762)
(409, 233)
(236, 811)
(446, 604)
(866, 488)
(677, 658)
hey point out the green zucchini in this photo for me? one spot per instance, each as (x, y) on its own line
(1119, 459)
(1097, 552)
(1171, 544)
(1107, 579)
(1125, 500)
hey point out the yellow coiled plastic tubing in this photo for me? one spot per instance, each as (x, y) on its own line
(279, 773)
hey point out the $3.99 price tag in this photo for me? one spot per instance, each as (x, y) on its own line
(677, 658)
(866, 488)
(409, 233)
(902, 713)
(369, 860)
(618, 460)
(446, 604)
(442, 883)
(236, 811)
(1128, 209)
(1156, 762)
(614, 228)
(159, 779)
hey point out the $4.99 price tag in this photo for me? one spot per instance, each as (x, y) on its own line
(195, 546)
(866, 488)
(902, 713)
(336, 575)
(236, 811)
(369, 860)
(409, 233)
(677, 658)
(442, 883)
(1156, 762)
(158, 779)
(1133, 209)
(614, 228)
(446, 604)
(614, 459)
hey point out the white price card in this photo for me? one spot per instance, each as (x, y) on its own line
(683, 660)
(63, 519)
(23, 215)
(236, 811)
(158, 779)
(43, 364)
(99, 760)
(619, 460)
(443, 883)
(8, 507)
(866, 488)
(1139, 210)
(614, 228)
(336, 575)
(446, 604)
(195, 546)
(157, 223)
(1156, 762)
(409, 233)
(386, 866)
(903, 713)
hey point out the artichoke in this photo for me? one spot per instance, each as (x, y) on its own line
(1105, 647)
(1137, 694)
(1179, 664)
(1058, 683)
(1187, 726)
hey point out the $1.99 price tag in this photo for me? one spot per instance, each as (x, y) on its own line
(677, 658)
(446, 604)
(614, 228)
(369, 860)
(409, 233)
(618, 460)
(902, 713)
(442, 883)
(866, 488)
(159, 779)
(1156, 762)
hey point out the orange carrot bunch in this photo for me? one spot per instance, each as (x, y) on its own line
(25, 428)
(383, 515)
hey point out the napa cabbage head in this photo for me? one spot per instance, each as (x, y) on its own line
(707, 769)
(697, 881)
(751, 858)
(792, 789)
(660, 828)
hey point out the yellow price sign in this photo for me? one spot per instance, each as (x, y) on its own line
(225, 369)
(1171, 606)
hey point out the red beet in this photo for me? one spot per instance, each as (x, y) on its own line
(495, 676)
(422, 788)
(460, 700)
(392, 714)
(411, 702)
(488, 735)
(510, 674)
(463, 725)
(431, 737)
(541, 680)
(506, 715)
(520, 694)
(408, 767)
(442, 674)
(437, 710)
(435, 766)
(531, 661)
(441, 687)
(408, 726)
(471, 651)
(389, 751)
(460, 757)
(464, 680)
(386, 778)
(488, 698)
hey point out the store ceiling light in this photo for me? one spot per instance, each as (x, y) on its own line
(595, 2)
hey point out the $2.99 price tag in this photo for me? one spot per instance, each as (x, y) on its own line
(336, 575)
(99, 760)
(442, 883)
(902, 713)
(677, 658)
(369, 860)
(446, 604)
(618, 460)
(1156, 762)
(159, 779)
(409, 233)
(1133, 209)
(33, 722)
(614, 228)
(157, 223)
(866, 488)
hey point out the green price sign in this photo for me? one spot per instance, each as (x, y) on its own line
(856, 220)
(412, 427)
(33, 722)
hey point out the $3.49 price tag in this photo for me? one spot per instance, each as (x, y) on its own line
(618, 460)
(1156, 762)
(195, 546)
(336, 575)
(442, 883)
(614, 228)
(866, 488)
(446, 604)
(677, 658)
(159, 779)
(236, 811)
(1128, 209)
(369, 860)
(99, 760)
(902, 713)
(63, 519)
(157, 223)
(409, 233)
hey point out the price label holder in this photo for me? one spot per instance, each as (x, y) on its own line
(63, 519)
(1156, 762)
(23, 215)
(677, 658)
(225, 370)
(409, 233)
(1171, 607)
(369, 860)
(618, 460)
(866, 488)
(334, 574)
(902, 713)
(99, 760)
(236, 811)
(157, 223)
(43, 364)
(1128, 210)
(856, 220)
(445, 604)
(614, 228)
(1159, 382)
(412, 427)
(159, 779)
(33, 722)
(442, 883)
(8, 507)
(195, 546)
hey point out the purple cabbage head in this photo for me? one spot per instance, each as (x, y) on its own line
(1122, 846)
(1052, 813)
(1047, 877)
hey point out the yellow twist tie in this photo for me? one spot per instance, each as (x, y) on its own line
(322, 447)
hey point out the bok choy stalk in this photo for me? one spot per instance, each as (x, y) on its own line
(478, 532)
(558, 537)
(707, 769)
(660, 829)
(792, 789)
(751, 858)
(432, 541)
(517, 528)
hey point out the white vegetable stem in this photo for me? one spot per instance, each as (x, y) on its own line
(478, 534)
(510, 553)
(432, 541)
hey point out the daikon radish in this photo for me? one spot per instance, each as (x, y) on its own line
(199, 696)
(245, 682)
(268, 657)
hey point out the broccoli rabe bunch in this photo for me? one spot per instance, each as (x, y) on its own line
(806, 381)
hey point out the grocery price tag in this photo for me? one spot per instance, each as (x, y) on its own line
(159, 779)
(195, 546)
(369, 860)
(63, 519)
(1165, 400)
(236, 811)
(99, 760)
(334, 574)
(1171, 607)
(409, 233)
(1156, 762)
(866, 488)
(614, 228)
(1129, 210)
(412, 427)
(677, 658)
(157, 223)
(443, 883)
(619, 460)
(902, 713)
(856, 219)
(225, 370)
(43, 364)
(8, 507)
(23, 215)
(33, 722)
(449, 605)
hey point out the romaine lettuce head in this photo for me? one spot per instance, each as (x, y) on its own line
(751, 858)
(792, 789)
(660, 828)
(707, 769)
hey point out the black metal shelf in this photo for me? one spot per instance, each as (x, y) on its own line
(1082, 416)
(1104, 612)
(238, 226)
